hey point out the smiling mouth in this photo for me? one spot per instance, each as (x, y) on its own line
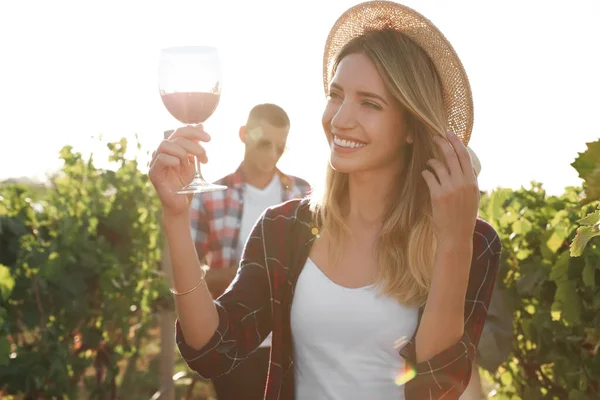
(349, 144)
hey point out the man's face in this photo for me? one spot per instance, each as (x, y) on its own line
(265, 144)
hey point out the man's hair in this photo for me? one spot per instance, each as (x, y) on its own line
(271, 113)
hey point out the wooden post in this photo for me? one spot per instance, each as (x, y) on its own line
(167, 330)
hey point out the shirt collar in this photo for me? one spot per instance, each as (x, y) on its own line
(238, 179)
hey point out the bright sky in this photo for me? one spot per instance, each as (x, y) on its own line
(70, 70)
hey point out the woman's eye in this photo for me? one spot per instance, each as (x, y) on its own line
(372, 105)
(333, 95)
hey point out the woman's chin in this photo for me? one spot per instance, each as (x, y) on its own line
(344, 165)
(351, 165)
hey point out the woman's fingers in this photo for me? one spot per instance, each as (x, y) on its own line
(194, 133)
(456, 157)
(441, 171)
(166, 160)
(432, 183)
(192, 148)
(181, 148)
(450, 157)
(462, 155)
(172, 149)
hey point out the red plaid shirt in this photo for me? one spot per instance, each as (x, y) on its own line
(260, 301)
(216, 217)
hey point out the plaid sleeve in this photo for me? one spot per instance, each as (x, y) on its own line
(447, 374)
(200, 226)
(244, 311)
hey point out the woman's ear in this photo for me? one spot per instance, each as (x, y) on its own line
(243, 132)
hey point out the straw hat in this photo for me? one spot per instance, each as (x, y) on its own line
(377, 15)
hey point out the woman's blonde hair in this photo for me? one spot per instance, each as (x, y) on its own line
(406, 246)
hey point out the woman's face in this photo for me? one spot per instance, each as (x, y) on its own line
(363, 122)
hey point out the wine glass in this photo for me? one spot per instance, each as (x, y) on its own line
(189, 80)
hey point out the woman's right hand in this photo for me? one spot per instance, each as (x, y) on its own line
(172, 167)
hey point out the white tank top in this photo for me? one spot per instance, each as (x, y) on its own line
(346, 340)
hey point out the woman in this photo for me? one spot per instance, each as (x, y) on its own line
(378, 288)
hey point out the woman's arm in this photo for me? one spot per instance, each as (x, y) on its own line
(197, 313)
(464, 272)
(446, 300)
(242, 316)
(212, 337)
(443, 370)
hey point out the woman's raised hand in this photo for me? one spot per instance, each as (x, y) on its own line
(172, 167)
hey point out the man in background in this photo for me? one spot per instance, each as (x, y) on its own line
(222, 221)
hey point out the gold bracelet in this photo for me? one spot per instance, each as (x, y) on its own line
(202, 280)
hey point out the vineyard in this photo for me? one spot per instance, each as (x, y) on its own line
(82, 288)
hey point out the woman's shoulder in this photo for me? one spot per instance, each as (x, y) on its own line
(290, 211)
(485, 239)
(289, 222)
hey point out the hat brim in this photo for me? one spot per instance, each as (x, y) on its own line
(377, 15)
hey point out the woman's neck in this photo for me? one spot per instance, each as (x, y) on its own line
(369, 196)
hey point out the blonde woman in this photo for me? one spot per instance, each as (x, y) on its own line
(378, 288)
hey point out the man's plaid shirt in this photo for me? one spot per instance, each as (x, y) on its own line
(260, 299)
(216, 217)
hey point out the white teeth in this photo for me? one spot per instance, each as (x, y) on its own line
(346, 143)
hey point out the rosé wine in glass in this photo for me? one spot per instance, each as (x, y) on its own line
(190, 107)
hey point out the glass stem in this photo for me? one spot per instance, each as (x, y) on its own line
(198, 176)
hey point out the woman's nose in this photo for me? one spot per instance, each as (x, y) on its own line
(344, 117)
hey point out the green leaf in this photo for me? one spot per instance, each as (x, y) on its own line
(555, 242)
(583, 236)
(589, 275)
(508, 218)
(522, 227)
(591, 219)
(567, 301)
(530, 278)
(587, 165)
(560, 270)
(7, 282)
(506, 378)
(523, 254)
(495, 206)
